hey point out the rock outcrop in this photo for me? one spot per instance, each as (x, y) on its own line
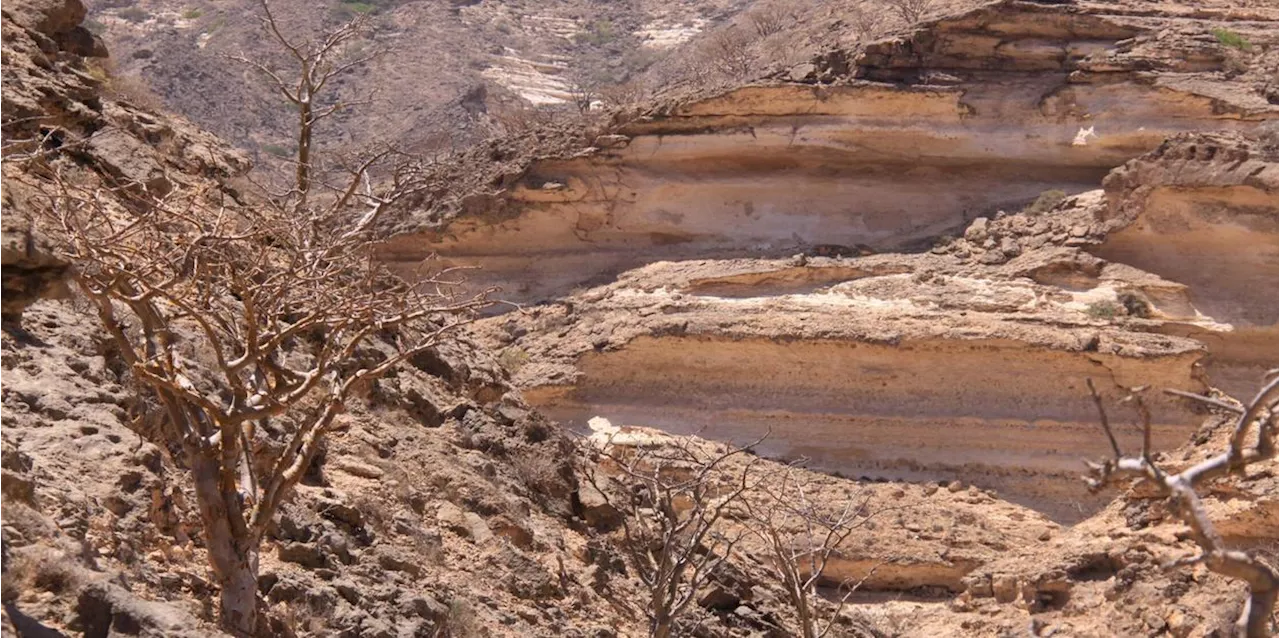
(916, 138)
(1201, 210)
(946, 386)
(55, 25)
(977, 146)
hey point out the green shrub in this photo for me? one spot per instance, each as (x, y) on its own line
(359, 7)
(597, 33)
(1135, 305)
(1229, 38)
(1046, 201)
(192, 14)
(513, 359)
(1104, 310)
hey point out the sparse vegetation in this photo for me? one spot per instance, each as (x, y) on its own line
(599, 32)
(192, 13)
(1243, 451)
(1104, 310)
(772, 16)
(728, 51)
(802, 536)
(1045, 202)
(513, 358)
(288, 306)
(670, 501)
(911, 11)
(1229, 38)
(1135, 305)
(359, 7)
(865, 22)
(125, 88)
(276, 150)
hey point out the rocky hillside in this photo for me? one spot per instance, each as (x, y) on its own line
(906, 260)
(475, 63)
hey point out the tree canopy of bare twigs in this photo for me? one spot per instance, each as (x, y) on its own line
(311, 66)
(671, 500)
(771, 16)
(801, 535)
(911, 11)
(1252, 440)
(252, 325)
(728, 51)
(866, 22)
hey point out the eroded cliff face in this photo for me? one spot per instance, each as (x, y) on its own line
(911, 367)
(973, 114)
(966, 353)
(1201, 210)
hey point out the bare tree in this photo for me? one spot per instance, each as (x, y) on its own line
(625, 95)
(728, 51)
(584, 91)
(1259, 417)
(865, 22)
(771, 16)
(801, 538)
(317, 62)
(670, 501)
(251, 326)
(911, 11)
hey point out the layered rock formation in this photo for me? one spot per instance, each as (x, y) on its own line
(444, 505)
(902, 366)
(916, 138)
(967, 360)
(1201, 210)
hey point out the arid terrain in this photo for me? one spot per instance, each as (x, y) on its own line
(908, 257)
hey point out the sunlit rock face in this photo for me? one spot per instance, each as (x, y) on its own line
(972, 115)
(854, 267)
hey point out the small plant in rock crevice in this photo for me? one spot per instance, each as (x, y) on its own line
(1046, 201)
(513, 358)
(1229, 38)
(1104, 310)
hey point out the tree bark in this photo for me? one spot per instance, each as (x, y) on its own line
(234, 558)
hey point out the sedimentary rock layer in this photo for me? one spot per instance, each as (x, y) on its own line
(973, 114)
(892, 366)
(993, 412)
(968, 357)
(1202, 210)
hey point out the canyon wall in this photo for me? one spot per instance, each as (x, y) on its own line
(850, 257)
(1201, 210)
(974, 114)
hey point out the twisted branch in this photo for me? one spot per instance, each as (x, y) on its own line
(1260, 415)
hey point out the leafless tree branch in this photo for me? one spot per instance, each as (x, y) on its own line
(1258, 416)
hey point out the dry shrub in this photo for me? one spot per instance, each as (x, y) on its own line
(728, 52)
(1045, 201)
(624, 95)
(40, 568)
(124, 88)
(772, 16)
(1270, 139)
(911, 11)
(866, 22)
(461, 621)
(536, 473)
(517, 119)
